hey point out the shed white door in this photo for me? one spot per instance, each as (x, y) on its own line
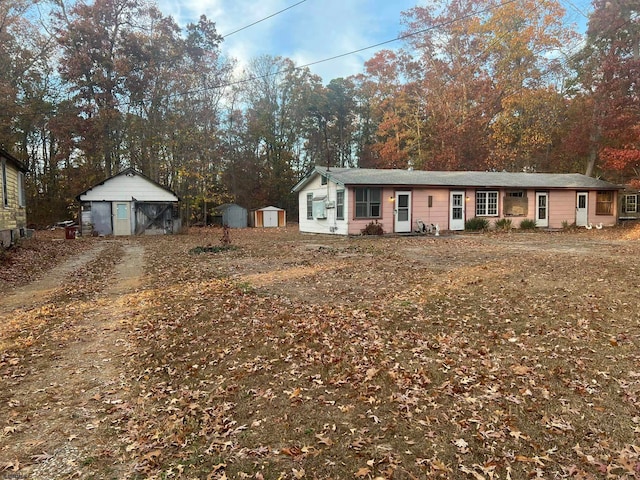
(121, 218)
(403, 212)
(456, 217)
(269, 218)
(582, 200)
(542, 209)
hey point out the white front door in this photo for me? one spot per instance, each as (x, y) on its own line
(582, 200)
(402, 221)
(121, 218)
(456, 217)
(542, 209)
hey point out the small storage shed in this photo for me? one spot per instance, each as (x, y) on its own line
(232, 215)
(128, 203)
(269, 217)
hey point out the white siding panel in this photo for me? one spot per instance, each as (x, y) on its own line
(123, 188)
(331, 224)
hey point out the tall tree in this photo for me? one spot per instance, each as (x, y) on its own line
(276, 96)
(609, 76)
(93, 64)
(476, 57)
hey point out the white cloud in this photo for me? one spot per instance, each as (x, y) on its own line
(309, 32)
(312, 31)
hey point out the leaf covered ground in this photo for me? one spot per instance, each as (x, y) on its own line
(300, 356)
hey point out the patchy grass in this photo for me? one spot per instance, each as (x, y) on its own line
(392, 358)
(299, 356)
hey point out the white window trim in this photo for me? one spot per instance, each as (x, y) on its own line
(635, 203)
(309, 206)
(368, 202)
(340, 205)
(22, 197)
(485, 204)
(4, 182)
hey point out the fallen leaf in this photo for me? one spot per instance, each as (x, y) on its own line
(362, 472)
(324, 440)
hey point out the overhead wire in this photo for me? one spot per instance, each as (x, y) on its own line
(317, 62)
(335, 57)
(324, 60)
(263, 19)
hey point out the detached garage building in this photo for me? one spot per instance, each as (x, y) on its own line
(128, 203)
(269, 217)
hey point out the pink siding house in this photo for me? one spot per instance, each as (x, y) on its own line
(343, 201)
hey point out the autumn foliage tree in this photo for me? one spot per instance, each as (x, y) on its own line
(478, 85)
(480, 64)
(608, 71)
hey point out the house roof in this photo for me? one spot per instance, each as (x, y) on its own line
(406, 178)
(226, 206)
(21, 166)
(138, 195)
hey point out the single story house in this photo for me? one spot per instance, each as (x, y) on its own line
(269, 217)
(344, 200)
(128, 203)
(13, 211)
(232, 215)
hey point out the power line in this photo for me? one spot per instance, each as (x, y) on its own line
(335, 57)
(263, 19)
(352, 52)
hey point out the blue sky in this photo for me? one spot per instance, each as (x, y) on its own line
(313, 30)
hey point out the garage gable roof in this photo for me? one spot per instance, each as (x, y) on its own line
(128, 185)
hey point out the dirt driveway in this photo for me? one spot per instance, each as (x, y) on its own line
(65, 389)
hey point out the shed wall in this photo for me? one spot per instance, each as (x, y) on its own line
(235, 216)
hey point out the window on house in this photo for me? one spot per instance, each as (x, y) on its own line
(340, 205)
(323, 180)
(22, 200)
(487, 204)
(5, 193)
(309, 206)
(604, 203)
(515, 203)
(320, 207)
(630, 204)
(368, 202)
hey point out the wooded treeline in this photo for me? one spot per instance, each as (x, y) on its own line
(97, 86)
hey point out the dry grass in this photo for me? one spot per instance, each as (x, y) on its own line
(294, 356)
(299, 356)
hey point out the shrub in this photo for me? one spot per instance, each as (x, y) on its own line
(476, 224)
(211, 249)
(568, 226)
(373, 228)
(503, 224)
(528, 224)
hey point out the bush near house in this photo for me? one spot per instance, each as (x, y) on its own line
(527, 224)
(477, 224)
(373, 228)
(504, 224)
